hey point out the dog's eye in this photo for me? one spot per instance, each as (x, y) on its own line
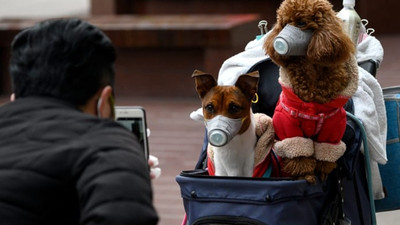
(233, 108)
(209, 108)
(301, 23)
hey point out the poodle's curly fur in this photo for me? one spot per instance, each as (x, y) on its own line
(322, 74)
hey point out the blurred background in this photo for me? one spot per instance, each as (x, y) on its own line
(160, 43)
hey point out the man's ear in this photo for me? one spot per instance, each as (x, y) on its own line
(12, 97)
(104, 108)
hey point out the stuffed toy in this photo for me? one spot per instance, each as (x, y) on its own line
(318, 74)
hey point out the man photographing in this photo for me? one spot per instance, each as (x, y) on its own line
(63, 160)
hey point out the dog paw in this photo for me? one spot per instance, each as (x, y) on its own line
(324, 168)
(301, 168)
(312, 179)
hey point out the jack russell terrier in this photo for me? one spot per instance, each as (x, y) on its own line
(232, 127)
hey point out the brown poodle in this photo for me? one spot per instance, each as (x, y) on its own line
(309, 119)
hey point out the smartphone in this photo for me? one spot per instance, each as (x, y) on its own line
(134, 119)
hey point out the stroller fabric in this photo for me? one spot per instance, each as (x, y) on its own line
(229, 200)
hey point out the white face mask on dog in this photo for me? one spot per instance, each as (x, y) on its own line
(292, 41)
(222, 129)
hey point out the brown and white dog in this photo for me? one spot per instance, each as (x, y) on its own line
(230, 122)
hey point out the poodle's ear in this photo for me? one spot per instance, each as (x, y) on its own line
(330, 44)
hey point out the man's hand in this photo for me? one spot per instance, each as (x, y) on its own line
(155, 172)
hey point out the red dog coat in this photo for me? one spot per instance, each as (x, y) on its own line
(321, 122)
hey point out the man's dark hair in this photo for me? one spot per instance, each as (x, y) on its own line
(67, 59)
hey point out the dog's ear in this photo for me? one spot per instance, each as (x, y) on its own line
(248, 84)
(330, 44)
(204, 82)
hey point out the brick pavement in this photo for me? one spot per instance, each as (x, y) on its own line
(176, 140)
(389, 72)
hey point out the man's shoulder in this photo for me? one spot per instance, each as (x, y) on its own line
(52, 121)
(106, 133)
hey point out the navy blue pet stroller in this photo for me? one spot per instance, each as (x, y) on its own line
(344, 197)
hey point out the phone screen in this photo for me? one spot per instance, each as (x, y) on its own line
(135, 121)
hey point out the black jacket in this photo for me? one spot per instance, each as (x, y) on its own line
(61, 166)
